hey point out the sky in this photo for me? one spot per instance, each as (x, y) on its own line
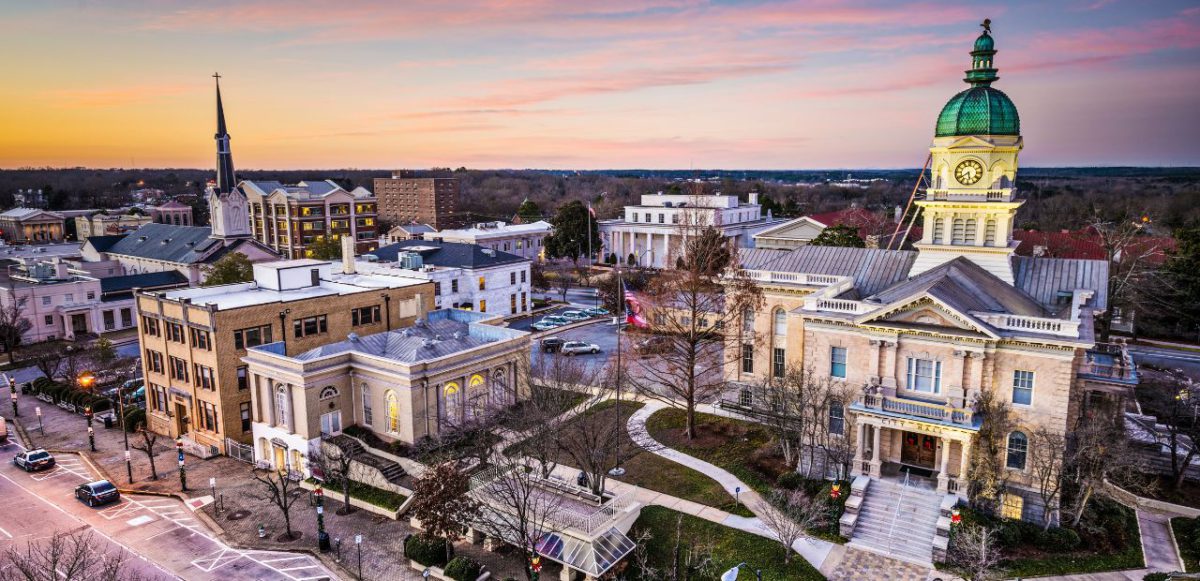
(770, 84)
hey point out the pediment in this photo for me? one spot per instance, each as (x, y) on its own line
(801, 229)
(926, 311)
(971, 142)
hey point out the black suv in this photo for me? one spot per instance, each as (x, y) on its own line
(98, 492)
(33, 460)
(552, 344)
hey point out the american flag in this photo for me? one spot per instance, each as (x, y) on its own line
(633, 308)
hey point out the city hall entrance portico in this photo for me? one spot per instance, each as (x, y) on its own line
(891, 447)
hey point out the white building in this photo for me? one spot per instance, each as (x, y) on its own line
(524, 240)
(652, 231)
(465, 276)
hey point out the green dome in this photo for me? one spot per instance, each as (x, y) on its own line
(979, 111)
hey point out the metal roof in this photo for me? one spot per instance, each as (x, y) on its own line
(166, 242)
(442, 333)
(449, 254)
(1044, 278)
(965, 286)
(873, 269)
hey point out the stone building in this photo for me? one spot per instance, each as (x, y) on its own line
(104, 224)
(524, 240)
(290, 218)
(915, 338)
(193, 340)
(31, 225)
(419, 380)
(172, 212)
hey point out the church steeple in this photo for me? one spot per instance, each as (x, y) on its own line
(225, 178)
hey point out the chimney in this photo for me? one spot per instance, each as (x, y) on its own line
(347, 254)
(60, 270)
(753, 198)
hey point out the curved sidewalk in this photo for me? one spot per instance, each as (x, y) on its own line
(815, 551)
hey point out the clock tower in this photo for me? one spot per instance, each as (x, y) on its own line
(971, 202)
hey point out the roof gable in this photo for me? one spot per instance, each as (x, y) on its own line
(928, 310)
(964, 286)
(803, 228)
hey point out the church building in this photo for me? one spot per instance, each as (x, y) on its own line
(916, 339)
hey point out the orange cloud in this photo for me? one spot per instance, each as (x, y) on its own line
(115, 96)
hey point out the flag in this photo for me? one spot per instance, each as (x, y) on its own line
(633, 308)
(591, 210)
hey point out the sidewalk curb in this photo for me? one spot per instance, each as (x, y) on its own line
(26, 439)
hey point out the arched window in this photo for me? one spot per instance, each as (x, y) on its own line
(1018, 449)
(328, 392)
(939, 226)
(958, 234)
(748, 320)
(368, 417)
(281, 407)
(452, 397)
(500, 395)
(393, 412)
(780, 322)
(477, 395)
(969, 234)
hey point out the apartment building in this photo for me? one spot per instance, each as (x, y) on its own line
(464, 276)
(290, 218)
(524, 240)
(193, 340)
(405, 198)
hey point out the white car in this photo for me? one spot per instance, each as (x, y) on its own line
(578, 347)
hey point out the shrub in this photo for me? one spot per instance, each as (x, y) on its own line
(790, 480)
(43, 383)
(428, 551)
(1060, 539)
(134, 418)
(463, 569)
(1156, 577)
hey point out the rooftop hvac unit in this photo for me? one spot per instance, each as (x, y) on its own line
(410, 260)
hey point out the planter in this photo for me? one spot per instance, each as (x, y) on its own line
(336, 494)
(439, 573)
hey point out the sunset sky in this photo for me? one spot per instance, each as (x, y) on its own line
(572, 84)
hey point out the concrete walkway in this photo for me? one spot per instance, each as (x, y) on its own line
(1158, 542)
(815, 551)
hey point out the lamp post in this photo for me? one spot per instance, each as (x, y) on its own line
(13, 395)
(283, 327)
(125, 429)
(182, 468)
(358, 543)
(92, 438)
(387, 309)
(41, 429)
(322, 536)
(732, 574)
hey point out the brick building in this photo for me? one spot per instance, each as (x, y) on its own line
(405, 199)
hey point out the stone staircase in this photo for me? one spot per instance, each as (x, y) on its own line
(390, 470)
(898, 520)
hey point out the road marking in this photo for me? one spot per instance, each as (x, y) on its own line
(139, 521)
(6, 533)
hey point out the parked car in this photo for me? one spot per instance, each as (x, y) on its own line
(579, 347)
(552, 344)
(34, 460)
(98, 492)
(544, 325)
(575, 315)
(651, 345)
(597, 311)
(559, 319)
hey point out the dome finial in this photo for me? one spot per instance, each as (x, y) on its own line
(987, 25)
(983, 72)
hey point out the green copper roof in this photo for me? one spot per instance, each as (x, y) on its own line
(980, 110)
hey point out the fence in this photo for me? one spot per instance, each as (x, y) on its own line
(239, 451)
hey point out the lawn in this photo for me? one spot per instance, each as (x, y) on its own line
(727, 547)
(1187, 536)
(385, 499)
(657, 473)
(563, 400)
(1163, 488)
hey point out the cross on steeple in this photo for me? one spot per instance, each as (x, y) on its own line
(217, 76)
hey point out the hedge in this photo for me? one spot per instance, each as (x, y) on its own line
(133, 418)
(428, 551)
(463, 569)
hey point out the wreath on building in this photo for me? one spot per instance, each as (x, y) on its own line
(910, 440)
(928, 443)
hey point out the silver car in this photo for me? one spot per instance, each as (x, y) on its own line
(579, 347)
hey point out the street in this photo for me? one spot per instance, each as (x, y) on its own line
(1186, 361)
(160, 536)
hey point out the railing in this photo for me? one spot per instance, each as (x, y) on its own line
(586, 523)
(591, 523)
(942, 195)
(1109, 361)
(794, 277)
(920, 409)
(1058, 327)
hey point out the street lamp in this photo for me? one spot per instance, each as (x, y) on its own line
(732, 574)
(182, 469)
(322, 536)
(124, 428)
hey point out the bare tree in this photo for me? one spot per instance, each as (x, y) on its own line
(986, 472)
(830, 426)
(337, 461)
(148, 446)
(1131, 261)
(516, 505)
(1175, 399)
(696, 306)
(282, 492)
(691, 557)
(48, 357)
(65, 556)
(640, 557)
(593, 441)
(779, 404)
(538, 420)
(1099, 452)
(976, 551)
(790, 515)
(563, 280)
(1047, 456)
(13, 326)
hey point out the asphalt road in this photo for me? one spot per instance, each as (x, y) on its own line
(1186, 361)
(159, 535)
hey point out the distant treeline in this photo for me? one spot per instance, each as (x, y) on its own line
(1056, 198)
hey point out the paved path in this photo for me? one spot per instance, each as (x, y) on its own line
(1158, 546)
(815, 551)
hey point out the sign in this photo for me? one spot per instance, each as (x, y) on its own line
(358, 539)
(181, 457)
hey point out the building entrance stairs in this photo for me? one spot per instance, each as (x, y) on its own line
(898, 520)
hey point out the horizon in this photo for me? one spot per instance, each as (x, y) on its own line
(772, 85)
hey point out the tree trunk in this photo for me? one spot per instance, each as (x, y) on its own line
(1087, 495)
(346, 494)
(287, 521)
(153, 470)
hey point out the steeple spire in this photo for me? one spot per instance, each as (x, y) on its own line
(225, 178)
(983, 73)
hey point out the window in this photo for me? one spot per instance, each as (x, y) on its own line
(482, 283)
(958, 235)
(158, 398)
(244, 410)
(365, 315)
(252, 337)
(200, 339)
(126, 318)
(46, 301)
(204, 377)
(393, 412)
(780, 322)
(747, 358)
(154, 361)
(150, 326)
(748, 321)
(49, 320)
(777, 362)
(437, 289)
(179, 369)
(1011, 506)
(674, 218)
(635, 216)
(309, 326)
(454, 286)
(110, 322)
(483, 305)
(327, 392)
(1023, 387)
(208, 417)
(512, 303)
(745, 398)
(175, 332)
(281, 406)
(523, 276)
(512, 278)
(837, 362)
(939, 225)
(924, 375)
(366, 405)
(837, 418)
(970, 232)
(91, 295)
(331, 423)
(1018, 448)
(662, 219)
(989, 233)
(242, 378)
(524, 304)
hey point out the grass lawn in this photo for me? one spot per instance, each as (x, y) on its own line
(737, 446)
(1164, 489)
(657, 473)
(377, 496)
(1187, 533)
(565, 400)
(728, 547)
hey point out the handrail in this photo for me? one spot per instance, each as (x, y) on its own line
(895, 517)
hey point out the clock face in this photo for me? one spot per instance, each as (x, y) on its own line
(968, 172)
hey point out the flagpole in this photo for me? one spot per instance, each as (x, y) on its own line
(618, 470)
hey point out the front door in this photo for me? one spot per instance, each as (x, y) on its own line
(281, 460)
(181, 419)
(918, 450)
(79, 324)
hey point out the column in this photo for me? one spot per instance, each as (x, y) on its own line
(954, 393)
(291, 408)
(888, 372)
(943, 478)
(874, 362)
(650, 249)
(876, 460)
(859, 441)
(666, 246)
(964, 461)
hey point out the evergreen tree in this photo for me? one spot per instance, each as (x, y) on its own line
(839, 235)
(570, 237)
(229, 269)
(1181, 273)
(529, 212)
(326, 248)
